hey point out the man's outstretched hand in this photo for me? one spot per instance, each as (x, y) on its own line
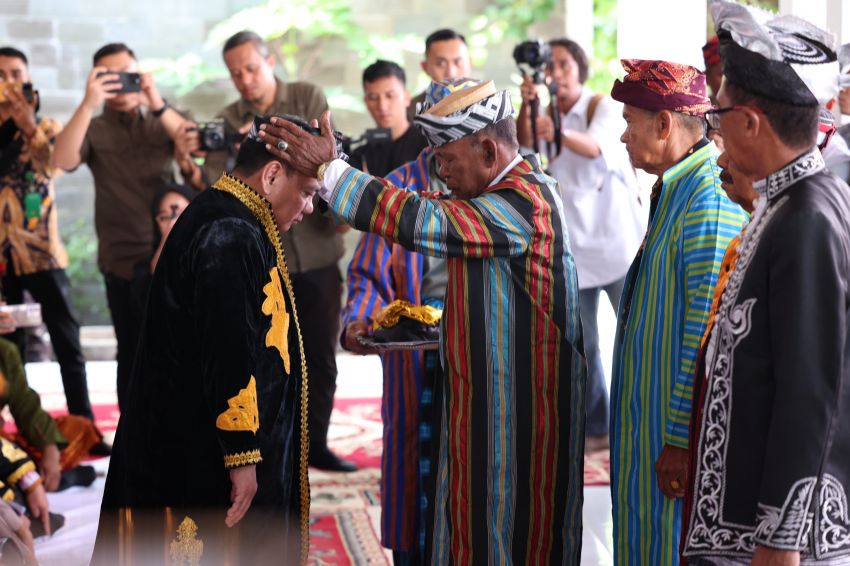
(242, 492)
(304, 151)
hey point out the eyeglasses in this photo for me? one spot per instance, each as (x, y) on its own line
(713, 115)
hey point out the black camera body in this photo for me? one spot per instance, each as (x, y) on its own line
(533, 56)
(216, 136)
(372, 136)
(126, 82)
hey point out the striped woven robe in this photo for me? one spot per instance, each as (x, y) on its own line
(378, 274)
(659, 328)
(510, 466)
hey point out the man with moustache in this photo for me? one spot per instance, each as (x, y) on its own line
(770, 472)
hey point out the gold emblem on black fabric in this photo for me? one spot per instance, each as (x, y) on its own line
(242, 413)
(274, 306)
(262, 210)
(11, 451)
(187, 549)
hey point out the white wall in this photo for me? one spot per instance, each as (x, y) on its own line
(670, 30)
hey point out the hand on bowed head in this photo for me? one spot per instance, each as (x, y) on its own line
(299, 148)
(671, 471)
(20, 109)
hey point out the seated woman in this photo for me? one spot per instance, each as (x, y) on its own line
(168, 205)
(55, 445)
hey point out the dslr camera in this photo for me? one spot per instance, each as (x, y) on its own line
(374, 136)
(126, 82)
(216, 136)
(532, 57)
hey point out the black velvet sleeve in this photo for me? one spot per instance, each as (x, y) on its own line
(229, 266)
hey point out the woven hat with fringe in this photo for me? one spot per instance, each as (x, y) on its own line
(460, 107)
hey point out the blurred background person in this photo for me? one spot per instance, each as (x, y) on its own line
(605, 218)
(844, 94)
(32, 248)
(387, 99)
(446, 57)
(129, 148)
(167, 207)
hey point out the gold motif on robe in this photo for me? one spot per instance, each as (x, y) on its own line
(12, 452)
(242, 413)
(187, 548)
(278, 334)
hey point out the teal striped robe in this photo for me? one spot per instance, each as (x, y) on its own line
(510, 465)
(658, 333)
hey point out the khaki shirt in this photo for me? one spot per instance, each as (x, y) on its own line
(131, 157)
(314, 242)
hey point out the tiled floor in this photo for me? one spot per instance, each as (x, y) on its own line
(359, 377)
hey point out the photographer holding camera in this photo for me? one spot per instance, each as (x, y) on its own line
(34, 257)
(130, 151)
(605, 219)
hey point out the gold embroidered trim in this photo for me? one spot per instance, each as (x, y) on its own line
(390, 315)
(16, 476)
(11, 451)
(242, 459)
(262, 210)
(274, 306)
(9, 496)
(187, 548)
(241, 413)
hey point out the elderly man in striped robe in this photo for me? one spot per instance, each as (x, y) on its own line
(664, 306)
(510, 450)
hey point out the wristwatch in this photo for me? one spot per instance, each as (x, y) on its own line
(320, 173)
(160, 111)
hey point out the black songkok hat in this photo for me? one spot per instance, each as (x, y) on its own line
(782, 58)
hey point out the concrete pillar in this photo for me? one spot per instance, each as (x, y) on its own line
(811, 10)
(578, 20)
(671, 30)
(838, 18)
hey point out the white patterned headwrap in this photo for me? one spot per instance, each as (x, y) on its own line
(469, 119)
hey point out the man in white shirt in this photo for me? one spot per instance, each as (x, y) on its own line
(604, 216)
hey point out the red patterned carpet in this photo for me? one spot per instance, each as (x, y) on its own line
(345, 509)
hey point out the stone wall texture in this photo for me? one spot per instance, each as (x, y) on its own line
(60, 36)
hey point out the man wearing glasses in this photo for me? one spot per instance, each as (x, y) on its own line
(665, 304)
(770, 472)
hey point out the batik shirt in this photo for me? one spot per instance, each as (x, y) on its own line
(29, 230)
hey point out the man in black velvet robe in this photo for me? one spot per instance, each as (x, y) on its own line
(210, 454)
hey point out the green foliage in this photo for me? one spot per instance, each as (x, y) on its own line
(505, 20)
(88, 294)
(300, 34)
(605, 65)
